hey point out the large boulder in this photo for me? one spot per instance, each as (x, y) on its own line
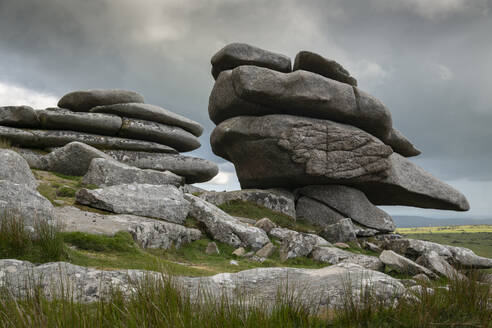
(250, 90)
(276, 201)
(438, 265)
(292, 151)
(237, 54)
(58, 138)
(148, 233)
(316, 213)
(310, 61)
(151, 113)
(15, 169)
(225, 228)
(62, 119)
(163, 202)
(342, 231)
(400, 264)
(351, 203)
(23, 202)
(19, 116)
(334, 255)
(104, 172)
(172, 136)
(193, 169)
(296, 244)
(83, 101)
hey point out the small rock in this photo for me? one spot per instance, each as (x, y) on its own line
(233, 262)
(438, 265)
(265, 224)
(421, 278)
(335, 255)
(398, 263)
(408, 282)
(249, 254)
(341, 245)
(83, 101)
(239, 252)
(212, 249)
(342, 231)
(372, 247)
(266, 251)
(58, 202)
(258, 259)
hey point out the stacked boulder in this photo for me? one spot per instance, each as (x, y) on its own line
(117, 122)
(311, 130)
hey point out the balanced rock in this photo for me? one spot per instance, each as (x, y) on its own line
(62, 119)
(310, 61)
(193, 169)
(237, 54)
(342, 231)
(15, 169)
(350, 203)
(400, 264)
(19, 116)
(163, 134)
(83, 101)
(151, 113)
(223, 227)
(108, 172)
(334, 255)
(164, 202)
(271, 199)
(148, 233)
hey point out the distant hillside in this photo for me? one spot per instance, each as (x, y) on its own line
(404, 221)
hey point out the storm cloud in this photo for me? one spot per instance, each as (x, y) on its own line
(430, 62)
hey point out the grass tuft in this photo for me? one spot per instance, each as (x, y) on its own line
(5, 144)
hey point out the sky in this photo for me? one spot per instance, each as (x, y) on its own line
(430, 62)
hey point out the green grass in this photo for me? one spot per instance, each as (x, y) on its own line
(5, 144)
(257, 212)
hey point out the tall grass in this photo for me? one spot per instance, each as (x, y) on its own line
(5, 144)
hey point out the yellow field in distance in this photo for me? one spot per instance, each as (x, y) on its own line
(446, 229)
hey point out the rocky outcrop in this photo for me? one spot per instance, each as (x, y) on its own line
(225, 228)
(193, 169)
(334, 255)
(312, 62)
(296, 244)
(271, 199)
(108, 172)
(350, 203)
(15, 169)
(147, 233)
(238, 54)
(164, 202)
(438, 265)
(400, 264)
(83, 101)
(19, 116)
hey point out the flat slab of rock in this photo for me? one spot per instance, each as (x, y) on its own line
(19, 116)
(401, 144)
(21, 201)
(225, 228)
(312, 62)
(400, 264)
(15, 169)
(163, 134)
(148, 233)
(151, 113)
(316, 213)
(438, 265)
(83, 101)
(30, 138)
(62, 119)
(250, 90)
(334, 255)
(108, 172)
(351, 203)
(324, 287)
(164, 202)
(193, 169)
(276, 201)
(237, 54)
(292, 151)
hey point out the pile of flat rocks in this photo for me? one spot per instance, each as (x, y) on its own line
(311, 130)
(117, 122)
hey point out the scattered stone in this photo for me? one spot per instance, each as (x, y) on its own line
(409, 282)
(233, 262)
(372, 247)
(248, 221)
(258, 259)
(421, 278)
(163, 134)
(15, 169)
(400, 264)
(58, 202)
(237, 54)
(239, 252)
(212, 249)
(107, 172)
(342, 231)
(19, 117)
(83, 101)
(193, 169)
(312, 62)
(164, 202)
(299, 244)
(341, 245)
(265, 224)
(266, 251)
(352, 203)
(249, 254)
(438, 265)
(62, 119)
(335, 255)
(151, 113)
(271, 199)
(365, 232)
(223, 227)
(148, 233)
(316, 213)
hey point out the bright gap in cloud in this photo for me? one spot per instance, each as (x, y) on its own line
(13, 95)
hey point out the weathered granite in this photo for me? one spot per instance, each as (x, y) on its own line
(438, 265)
(316, 213)
(400, 264)
(83, 101)
(15, 169)
(334, 255)
(342, 231)
(19, 116)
